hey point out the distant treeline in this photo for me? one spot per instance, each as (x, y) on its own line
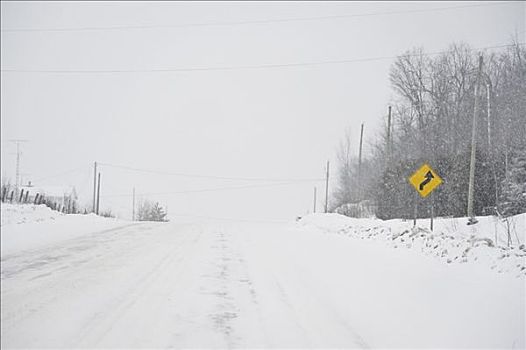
(432, 120)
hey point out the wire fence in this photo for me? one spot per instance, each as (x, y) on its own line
(66, 204)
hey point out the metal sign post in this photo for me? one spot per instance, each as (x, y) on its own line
(425, 180)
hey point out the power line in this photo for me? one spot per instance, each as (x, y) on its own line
(60, 174)
(209, 176)
(230, 68)
(245, 22)
(203, 190)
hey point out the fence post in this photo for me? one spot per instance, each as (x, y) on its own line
(27, 195)
(4, 193)
(36, 199)
(12, 194)
(21, 196)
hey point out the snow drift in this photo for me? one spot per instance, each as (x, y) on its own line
(451, 240)
(28, 226)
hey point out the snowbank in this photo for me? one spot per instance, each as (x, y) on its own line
(28, 226)
(20, 214)
(451, 240)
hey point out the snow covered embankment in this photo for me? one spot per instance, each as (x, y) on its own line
(451, 240)
(27, 226)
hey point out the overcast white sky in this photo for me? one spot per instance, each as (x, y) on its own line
(281, 122)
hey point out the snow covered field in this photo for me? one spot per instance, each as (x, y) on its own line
(32, 226)
(324, 282)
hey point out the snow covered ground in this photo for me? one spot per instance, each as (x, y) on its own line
(30, 226)
(452, 240)
(247, 285)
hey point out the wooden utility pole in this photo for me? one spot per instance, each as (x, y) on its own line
(360, 190)
(388, 146)
(98, 195)
(314, 209)
(94, 187)
(471, 189)
(490, 149)
(133, 205)
(488, 101)
(327, 190)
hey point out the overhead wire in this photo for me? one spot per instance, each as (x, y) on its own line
(47, 177)
(230, 68)
(215, 189)
(274, 181)
(244, 22)
(211, 176)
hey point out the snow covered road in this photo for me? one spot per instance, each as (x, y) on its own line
(250, 286)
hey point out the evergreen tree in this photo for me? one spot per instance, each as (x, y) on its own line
(157, 213)
(148, 211)
(513, 196)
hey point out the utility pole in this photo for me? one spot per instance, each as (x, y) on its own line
(133, 205)
(471, 190)
(490, 149)
(18, 153)
(360, 191)
(388, 146)
(98, 195)
(506, 159)
(488, 101)
(94, 187)
(314, 209)
(327, 190)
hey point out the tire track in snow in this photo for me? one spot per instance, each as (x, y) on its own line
(314, 304)
(237, 314)
(35, 270)
(60, 295)
(226, 310)
(332, 311)
(291, 290)
(103, 322)
(73, 241)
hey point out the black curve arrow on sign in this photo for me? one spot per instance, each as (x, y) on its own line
(429, 176)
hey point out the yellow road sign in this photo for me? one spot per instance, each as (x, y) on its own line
(425, 180)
